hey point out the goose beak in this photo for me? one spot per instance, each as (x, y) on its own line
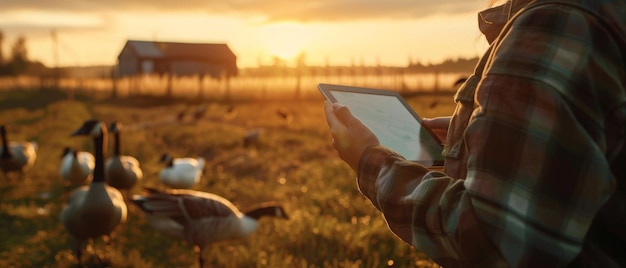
(86, 128)
(65, 151)
(80, 131)
(114, 127)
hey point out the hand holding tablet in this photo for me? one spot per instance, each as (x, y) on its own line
(391, 119)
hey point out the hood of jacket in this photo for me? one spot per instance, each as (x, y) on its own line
(611, 12)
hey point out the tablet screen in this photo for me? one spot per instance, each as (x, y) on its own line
(393, 121)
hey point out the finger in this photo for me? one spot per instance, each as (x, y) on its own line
(343, 114)
(437, 122)
(331, 118)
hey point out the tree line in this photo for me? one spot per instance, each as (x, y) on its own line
(17, 61)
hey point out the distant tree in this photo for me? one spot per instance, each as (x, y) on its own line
(19, 57)
(301, 60)
(277, 62)
(18, 62)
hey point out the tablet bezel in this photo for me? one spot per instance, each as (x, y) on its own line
(326, 89)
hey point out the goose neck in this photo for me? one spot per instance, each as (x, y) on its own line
(100, 149)
(117, 149)
(6, 151)
(248, 225)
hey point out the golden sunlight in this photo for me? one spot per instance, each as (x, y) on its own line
(58, 19)
(286, 40)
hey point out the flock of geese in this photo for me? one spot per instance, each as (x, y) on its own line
(96, 206)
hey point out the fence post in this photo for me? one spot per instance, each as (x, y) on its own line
(200, 86)
(169, 85)
(114, 93)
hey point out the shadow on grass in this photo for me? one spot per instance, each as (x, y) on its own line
(5, 187)
(30, 99)
(35, 99)
(143, 101)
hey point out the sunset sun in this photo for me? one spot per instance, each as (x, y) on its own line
(286, 40)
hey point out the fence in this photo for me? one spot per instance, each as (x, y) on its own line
(240, 87)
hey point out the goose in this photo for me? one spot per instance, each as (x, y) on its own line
(181, 115)
(231, 112)
(201, 218)
(16, 156)
(251, 137)
(181, 173)
(122, 171)
(96, 209)
(284, 114)
(76, 166)
(200, 112)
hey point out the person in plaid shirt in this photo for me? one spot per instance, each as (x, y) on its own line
(535, 171)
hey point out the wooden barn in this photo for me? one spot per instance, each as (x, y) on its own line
(178, 59)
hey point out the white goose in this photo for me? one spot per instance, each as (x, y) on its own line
(16, 156)
(201, 218)
(76, 167)
(96, 209)
(122, 171)
(181, 173)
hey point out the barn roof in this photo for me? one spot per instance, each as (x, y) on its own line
(175, 50)
(145, 49)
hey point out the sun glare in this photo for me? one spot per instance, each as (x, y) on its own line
(286, 40)
(53, 19)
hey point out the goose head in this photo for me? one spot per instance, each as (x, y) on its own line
(270, 209)
(68, 150)
(115, 127)
(166, 158)
(97, 130)
(93, 128)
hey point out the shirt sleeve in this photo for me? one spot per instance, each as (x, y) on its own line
(426, 209)
(537, 171)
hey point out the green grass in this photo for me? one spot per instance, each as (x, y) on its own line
(331, 224)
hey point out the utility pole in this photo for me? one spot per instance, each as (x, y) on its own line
(1, 43)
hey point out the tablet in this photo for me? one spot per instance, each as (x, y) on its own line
(391, 118)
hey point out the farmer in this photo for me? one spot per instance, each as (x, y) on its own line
(535, 151)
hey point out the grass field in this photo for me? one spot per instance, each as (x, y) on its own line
(331, 224)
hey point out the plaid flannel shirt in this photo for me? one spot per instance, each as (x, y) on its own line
(535, 172)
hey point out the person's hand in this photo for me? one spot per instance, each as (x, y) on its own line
(350, 136)
(438, 125)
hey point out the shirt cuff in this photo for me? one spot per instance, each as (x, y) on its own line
(370, 164)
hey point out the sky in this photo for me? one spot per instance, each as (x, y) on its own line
(335, 32)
